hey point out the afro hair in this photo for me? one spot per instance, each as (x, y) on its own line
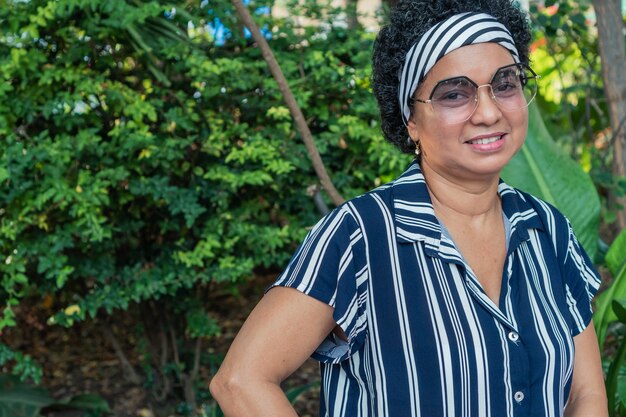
(408, 22)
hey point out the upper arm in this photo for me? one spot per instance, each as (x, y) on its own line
(587, 395)
(279, 335)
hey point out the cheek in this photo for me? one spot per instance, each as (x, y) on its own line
(520, 124)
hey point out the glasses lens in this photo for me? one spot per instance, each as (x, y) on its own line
(454, 100)
(514, 87)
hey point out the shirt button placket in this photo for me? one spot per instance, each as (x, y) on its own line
(519, 372)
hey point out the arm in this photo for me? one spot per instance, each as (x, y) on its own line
(279, 335)
(588, 396)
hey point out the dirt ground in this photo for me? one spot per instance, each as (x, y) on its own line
(81, 359)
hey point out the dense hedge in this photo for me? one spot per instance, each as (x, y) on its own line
(143, 161)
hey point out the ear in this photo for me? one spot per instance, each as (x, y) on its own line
(412, 129)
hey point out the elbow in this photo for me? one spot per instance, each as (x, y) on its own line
(225, 387)
(220, 387)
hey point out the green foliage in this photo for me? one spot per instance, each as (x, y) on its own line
(141, 170)
(543, 169)
(615, 378)
(212, 409)
(18, 399)
(616, 262)
(611, 308)
(23, 365)
(294, 393)
(572, 99)
(565, 54)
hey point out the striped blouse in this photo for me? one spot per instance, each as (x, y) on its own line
(423, 337)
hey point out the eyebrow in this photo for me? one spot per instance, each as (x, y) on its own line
(510, 66)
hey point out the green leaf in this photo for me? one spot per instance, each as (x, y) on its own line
(91, 402)
(604, 314)
(20, 399)
(294, 393)
(619, 308)
(544, 170)
(614, 375)
(616, 256)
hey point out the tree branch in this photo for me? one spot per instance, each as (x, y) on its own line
(128, 368)
(612, 55)
(296, 112)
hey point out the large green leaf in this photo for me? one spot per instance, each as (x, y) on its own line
(616, 261)
(546, 171)
(614, 374)
(616, 256)
(18, 399)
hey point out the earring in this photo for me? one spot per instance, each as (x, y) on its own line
(418, 149)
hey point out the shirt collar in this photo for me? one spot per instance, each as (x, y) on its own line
(415, 219)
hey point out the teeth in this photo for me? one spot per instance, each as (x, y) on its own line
(485, 141)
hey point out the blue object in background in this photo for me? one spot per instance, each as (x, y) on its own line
(221, 33)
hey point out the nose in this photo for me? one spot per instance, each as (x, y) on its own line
(487, 110)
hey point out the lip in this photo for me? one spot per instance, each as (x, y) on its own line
(490, 146)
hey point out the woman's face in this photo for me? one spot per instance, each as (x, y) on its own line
(478, 148)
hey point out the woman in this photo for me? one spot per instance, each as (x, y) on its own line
(445, 292)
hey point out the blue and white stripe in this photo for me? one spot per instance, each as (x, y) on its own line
(441, 39)
(423, 337)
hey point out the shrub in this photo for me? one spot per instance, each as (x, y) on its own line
(146, 162)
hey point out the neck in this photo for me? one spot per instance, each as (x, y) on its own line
(468, 198)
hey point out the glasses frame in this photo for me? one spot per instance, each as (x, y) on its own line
(493, 97)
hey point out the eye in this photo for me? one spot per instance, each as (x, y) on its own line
(453, 98)
(506, 89)
(454, 93)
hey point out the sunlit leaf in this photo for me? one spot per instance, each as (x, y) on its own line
(544, 170)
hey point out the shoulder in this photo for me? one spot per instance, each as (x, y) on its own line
(529, 206)
(533, 213)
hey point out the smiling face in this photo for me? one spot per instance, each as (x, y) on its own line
(478, 148)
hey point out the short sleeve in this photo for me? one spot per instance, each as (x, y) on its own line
(329, 266)
(582, 281)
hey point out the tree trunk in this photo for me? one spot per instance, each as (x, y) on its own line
(296, 112)
(611, 42)
(352, 17)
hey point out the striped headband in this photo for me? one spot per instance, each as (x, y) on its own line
(446, 36)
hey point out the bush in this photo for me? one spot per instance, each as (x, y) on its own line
(145, 162)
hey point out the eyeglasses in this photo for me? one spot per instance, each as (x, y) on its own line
(454, 100)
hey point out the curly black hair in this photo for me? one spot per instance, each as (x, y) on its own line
(408, 22)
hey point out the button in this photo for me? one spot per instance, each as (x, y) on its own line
(513, 336)
(519, 396)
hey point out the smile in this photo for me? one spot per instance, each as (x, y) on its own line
(484, 141)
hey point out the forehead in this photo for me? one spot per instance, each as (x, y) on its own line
(478, 62)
